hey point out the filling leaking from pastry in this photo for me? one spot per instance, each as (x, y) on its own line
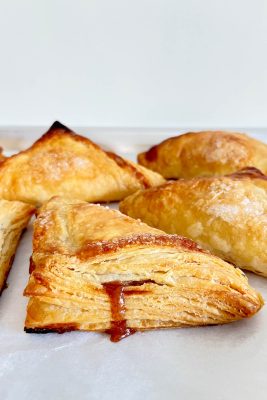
(116, 293)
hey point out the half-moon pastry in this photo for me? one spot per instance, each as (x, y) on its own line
(95, 269)
(204, 154)
(14, 218)
(227, 215)
(63, 163)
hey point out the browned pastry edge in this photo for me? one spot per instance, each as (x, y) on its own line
(52, 132)
(105, 246)
(121, 162)
(248, 172)
(59, 125)
(31, 266)
(152, 153)
(93, 249)
(63, 328)
(56, 328)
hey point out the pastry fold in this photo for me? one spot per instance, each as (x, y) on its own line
(14, 218)
(227, 215)
(95, 269)
(204, 154)
(63, 163)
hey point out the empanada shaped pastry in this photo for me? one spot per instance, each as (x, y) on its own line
(95, 269)
(14, 217)
(63, 163)
(204, 154)
(227, 215)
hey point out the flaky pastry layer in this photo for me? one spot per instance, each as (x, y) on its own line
(167, 280)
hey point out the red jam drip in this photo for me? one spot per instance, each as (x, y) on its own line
(115, 291)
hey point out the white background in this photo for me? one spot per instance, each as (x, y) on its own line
(150, 63)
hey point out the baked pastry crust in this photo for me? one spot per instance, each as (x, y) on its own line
(205, 153)
(84, 252)
(2, 157)
(63, 163)
(14, 218)
(227, 215)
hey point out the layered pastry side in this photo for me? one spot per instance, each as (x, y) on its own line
(64, 163)
(226, 215)
(204, 154)
(14, 218)
(95, 269)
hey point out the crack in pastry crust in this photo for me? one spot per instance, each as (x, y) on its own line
(168, 281)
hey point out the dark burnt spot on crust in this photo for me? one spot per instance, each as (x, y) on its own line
(59, 130)
(56, 130)
(248, 172)
(31, 266)
(53, 328)
(58, 125)
(152, 154)
(104, 247)
(131, 168)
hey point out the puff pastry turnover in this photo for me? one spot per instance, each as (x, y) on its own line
(227, 215)
(95, 269)
(14, 217)
(204, 154)
(63, 163)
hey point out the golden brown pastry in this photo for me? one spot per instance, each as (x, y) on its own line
(95, 269)
(63, 163)
(227, 215)
(204, 154)
(14, 217)
(2, 157)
